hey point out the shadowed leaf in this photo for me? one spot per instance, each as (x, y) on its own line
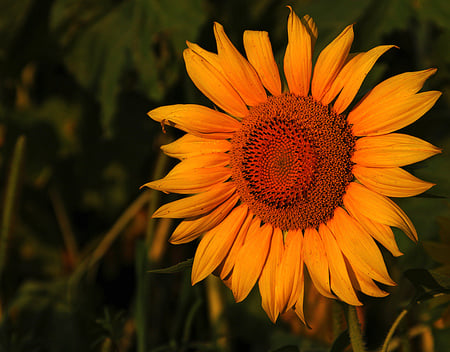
(174, 268)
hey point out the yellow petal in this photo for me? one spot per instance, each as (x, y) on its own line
(350, 78)
(392, 150)
(364, 283)
(259, 52)
(317, 262)
(298, 56)
(291, 271)
(391, 116)
(212, 58)
(198, 204)
(343, 76)
(391, 182)
(189, 229)
(358, 247)
(197, 120)
(378, 208)
(213, 84)
(216, 243)
(250, 260)
(230, 259)
(238, 70)
(190, 145)
(339, 278)
(381, 232)
(330, 62)
(393, 104)
(268, 282)
(194, 175)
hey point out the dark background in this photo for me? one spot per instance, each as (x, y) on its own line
(77, 78)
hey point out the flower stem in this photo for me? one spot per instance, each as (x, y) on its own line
(392, 330)
(354, 329)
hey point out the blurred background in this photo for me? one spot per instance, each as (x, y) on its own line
(77, 78)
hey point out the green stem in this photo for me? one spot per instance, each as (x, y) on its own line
(392, 330)
(10, 199)
(354, 330)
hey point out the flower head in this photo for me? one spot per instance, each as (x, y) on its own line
(285, 179)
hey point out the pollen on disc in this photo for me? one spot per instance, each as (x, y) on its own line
(291, 161)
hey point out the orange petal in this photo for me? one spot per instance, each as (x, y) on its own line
(189, 229)
(238, 70)
(250, 260)
(212, 58)
(198, 204)
(213, 84)
(194, 175)
(317, 262)
(298, 56)
(393, 104)
(342, 77)
(298, 308)
(311, 27)
(259, 52)
(291, 271)
(359, 247)
(339, 277)
(378, 208)
(349, 80)
(392, 150)
(394, 115)
(268, 282)
(190, 145)
(364, 283)
(197, 120)
(391, 182)
(230, 259)
(330, 62)
(381, 232)
(216, 243)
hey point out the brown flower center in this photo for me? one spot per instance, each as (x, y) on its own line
(291, 161)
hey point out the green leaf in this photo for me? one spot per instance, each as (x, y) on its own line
(438, 251)
(138, 42)
(380, 18)
(437, 11)
(13, 14)
(174, 268)
(429, 280)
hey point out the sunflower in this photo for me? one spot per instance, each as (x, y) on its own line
(283, 179)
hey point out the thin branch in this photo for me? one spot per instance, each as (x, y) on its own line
(64, 224)
(118, 227)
